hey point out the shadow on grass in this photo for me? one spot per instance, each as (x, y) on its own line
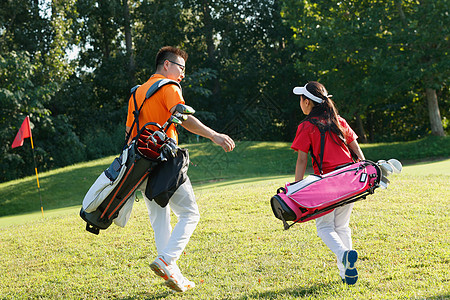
(424, 161)
(306, 291)
(297, 292)
(439, 297)
(147, 296)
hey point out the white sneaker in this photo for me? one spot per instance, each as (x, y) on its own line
(178, 283)
(162, 268)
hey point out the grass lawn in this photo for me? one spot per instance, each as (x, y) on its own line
(239, 250)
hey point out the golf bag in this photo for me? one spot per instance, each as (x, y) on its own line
(111, 197)
(317, 195)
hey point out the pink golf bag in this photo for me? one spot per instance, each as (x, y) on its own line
(318, 195)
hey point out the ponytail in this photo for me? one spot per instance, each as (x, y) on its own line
(325, 111)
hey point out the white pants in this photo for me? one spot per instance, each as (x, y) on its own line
(335, 232)
(170, 244)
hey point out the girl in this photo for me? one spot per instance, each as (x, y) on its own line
(336, 150)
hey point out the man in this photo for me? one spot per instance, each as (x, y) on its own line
(170, 64)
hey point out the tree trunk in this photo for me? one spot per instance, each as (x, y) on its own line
(210, 47)
(433, 107)
(398, 3)
(103, 29)
(361, 132)
(433, 111)
(208, 30)
(129, 45)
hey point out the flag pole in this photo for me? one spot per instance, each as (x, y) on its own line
(37, 176)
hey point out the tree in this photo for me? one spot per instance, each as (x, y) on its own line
(248, 46)
(129, 43)
(340, 44)
(33, 68)
(360, 50)
(420, 35)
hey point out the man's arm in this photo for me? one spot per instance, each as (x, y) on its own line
(194, 125)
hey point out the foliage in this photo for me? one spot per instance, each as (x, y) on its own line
(371, 57)
(32, 70)
(248, 46)
(70, 66)
(19, 96)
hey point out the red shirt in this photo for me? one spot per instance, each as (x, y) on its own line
(334, 154)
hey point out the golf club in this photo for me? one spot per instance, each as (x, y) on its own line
(184, 109)
(386, 168)
(171, 120)
(152, 138)
(384, 182)
(169, 147)
(181, 116)
(161, 135)
(397, 165)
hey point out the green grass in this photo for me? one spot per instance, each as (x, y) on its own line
(67, 186)
(406, 151)
(239, 250)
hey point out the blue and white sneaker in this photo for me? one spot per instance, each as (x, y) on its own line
(349, 260)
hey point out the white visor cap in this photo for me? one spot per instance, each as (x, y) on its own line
(303, 91)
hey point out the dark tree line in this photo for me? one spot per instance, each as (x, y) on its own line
(70, 64)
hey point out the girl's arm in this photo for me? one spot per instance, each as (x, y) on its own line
(354, 146)
(300, 167)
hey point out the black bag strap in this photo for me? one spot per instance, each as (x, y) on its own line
(323, 130)
(150, 92)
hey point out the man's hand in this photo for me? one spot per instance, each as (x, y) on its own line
(223, 141)
(193, 125)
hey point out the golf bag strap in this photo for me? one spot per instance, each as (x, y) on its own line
(150, 92)
(323, 130)
(322, 145)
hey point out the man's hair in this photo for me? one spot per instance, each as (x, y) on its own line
(169, 53)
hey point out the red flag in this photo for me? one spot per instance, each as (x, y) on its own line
(24, 132)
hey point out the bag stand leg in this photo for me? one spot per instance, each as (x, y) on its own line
(285, 224)
(92, 229)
